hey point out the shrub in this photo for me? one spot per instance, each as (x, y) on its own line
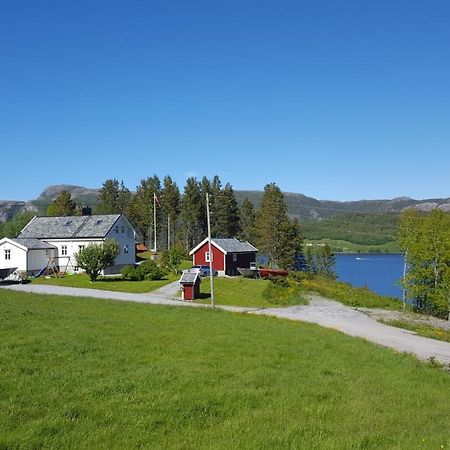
(149, 270)
(130, 273)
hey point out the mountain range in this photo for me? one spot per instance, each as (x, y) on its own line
(299, 205)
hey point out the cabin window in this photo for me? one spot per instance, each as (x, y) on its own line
(8, 255)
(116, 228)
(64, 250)
(207, 257)
(234, 257)
(125, 249)
(122, 229)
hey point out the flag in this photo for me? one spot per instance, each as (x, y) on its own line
(155, 197)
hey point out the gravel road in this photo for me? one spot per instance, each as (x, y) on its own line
(323, 312)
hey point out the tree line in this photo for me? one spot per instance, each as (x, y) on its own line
(182, 221)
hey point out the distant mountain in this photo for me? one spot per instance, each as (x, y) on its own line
(304, 207)
(299, 205)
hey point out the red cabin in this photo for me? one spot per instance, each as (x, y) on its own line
(227, 255)
(190, 285)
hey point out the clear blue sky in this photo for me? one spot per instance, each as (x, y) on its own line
(334, 99)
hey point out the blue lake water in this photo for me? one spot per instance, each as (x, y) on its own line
(380, 272)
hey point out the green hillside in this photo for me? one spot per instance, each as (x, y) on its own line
(363, 229)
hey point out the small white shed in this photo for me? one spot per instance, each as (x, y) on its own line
(28, 255)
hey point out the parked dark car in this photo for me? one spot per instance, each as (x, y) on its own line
(204, 271)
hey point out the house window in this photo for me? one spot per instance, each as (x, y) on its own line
(64, 250)
(234, 257)
(116, 228)
(75, 268)
(80, 247)
(8, 255)
(47, 253)
(122, 229)
(207, 257)
(125, 249)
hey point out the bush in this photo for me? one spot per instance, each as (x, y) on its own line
(130, 273)
(149, 270)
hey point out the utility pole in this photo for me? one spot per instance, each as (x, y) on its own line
(404, 276)
(168, 231)
(154, 221)
(210, 252)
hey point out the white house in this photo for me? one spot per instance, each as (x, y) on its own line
(60, 238)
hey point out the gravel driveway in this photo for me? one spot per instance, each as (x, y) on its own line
(323, 312)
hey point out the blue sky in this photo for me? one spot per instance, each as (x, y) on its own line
(336, 100)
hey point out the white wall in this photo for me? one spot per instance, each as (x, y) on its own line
(18, 256)
(123, 233)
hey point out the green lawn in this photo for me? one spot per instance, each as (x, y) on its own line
(112, 283)
(421, 329)
(239, 291)
(107, 283)
(84, 373)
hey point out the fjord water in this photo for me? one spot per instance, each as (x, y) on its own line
(380, 272)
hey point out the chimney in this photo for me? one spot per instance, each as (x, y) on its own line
(86, 211)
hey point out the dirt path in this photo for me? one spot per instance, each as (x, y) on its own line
(323, 312)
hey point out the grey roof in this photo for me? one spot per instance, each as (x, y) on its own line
(96, 226)
(233, 245)
(33, 244)
(189, 277)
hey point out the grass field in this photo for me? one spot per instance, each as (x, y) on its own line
(421, 329)
(112, 283)
(347, 294)
(79, 373)
(239, 291)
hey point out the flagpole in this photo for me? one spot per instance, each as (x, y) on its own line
(154, 219)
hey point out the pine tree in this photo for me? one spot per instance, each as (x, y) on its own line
(247, 219)
(63, 205)
(326, 260)
(310, 263)
(114, 197)
(191, 213)
(226, 213)
(170, 202)
(291, 246)
(140, 209)
(271, 216)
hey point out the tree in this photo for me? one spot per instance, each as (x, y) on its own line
(97, 257)
(226, 223)
(426, 241)
(310, 261)
(171, 259)
(291, 246)
(325, 261)
(14, 226)
(63, 205)
(170, 202)
(140, 210)
(247, 219)
(114, 197)
(191, 213)
(271, 216)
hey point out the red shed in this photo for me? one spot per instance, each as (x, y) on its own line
(190, 285)
(227, 255)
